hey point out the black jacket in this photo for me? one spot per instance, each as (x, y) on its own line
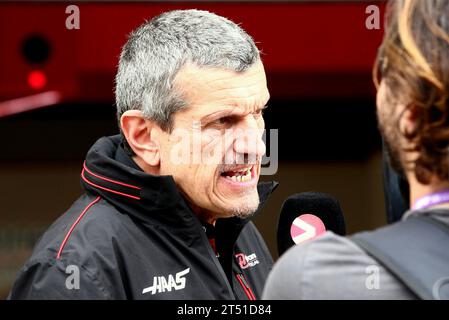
(132, 236)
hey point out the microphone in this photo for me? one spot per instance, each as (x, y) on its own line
(305, 216)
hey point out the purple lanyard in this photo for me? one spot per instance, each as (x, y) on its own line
(432, 200)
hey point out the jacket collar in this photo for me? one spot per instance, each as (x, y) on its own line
(110, 173)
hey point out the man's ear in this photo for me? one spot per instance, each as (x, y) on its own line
(409, 118)
(142, 136)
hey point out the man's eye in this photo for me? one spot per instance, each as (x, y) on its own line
(222, 120)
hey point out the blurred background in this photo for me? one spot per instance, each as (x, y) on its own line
(56, 100)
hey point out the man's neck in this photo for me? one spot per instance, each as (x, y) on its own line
(418, 190)
(203, 215)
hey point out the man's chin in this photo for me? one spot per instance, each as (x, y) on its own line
(242, 209)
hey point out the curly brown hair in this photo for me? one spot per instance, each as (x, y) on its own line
(413, 60)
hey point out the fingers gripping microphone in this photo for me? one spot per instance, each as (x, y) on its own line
(305, 216)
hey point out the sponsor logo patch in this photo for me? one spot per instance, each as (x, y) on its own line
(247, 261)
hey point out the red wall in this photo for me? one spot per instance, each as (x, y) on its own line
(321, 49)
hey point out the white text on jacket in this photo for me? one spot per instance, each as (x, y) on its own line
(162, 284)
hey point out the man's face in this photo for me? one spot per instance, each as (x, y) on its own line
(220, 135)
(387, 116)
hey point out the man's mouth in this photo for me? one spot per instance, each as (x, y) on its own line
(240, 174)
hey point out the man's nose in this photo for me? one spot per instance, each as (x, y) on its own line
(248, 139)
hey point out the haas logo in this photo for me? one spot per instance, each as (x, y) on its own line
(162, 284)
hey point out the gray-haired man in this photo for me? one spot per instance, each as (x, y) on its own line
(167, 204)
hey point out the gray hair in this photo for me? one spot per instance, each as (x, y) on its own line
(156, 51)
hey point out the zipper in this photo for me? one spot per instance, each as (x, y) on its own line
(216, 262)
(241, 279)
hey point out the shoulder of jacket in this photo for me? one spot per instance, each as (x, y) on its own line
(330, 250)
(88, 226)
(331, 267)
